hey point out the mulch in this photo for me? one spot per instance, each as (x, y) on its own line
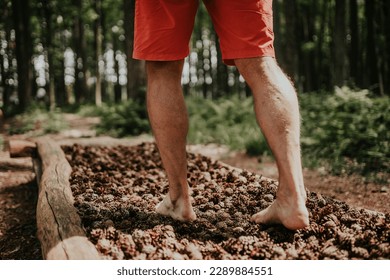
(117, 188)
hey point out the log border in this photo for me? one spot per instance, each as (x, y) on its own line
(59, 225)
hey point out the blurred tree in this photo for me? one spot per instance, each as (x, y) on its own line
(81, 88)
(339, 44)
(21, 15)
(136, 78)
(98, 51)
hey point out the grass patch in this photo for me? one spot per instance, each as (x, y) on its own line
(39, 121)
(348, 129)
(228, 121)
(128, 118)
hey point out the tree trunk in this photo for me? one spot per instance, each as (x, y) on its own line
(21, 16)
(354, 65)
(117, 86)
(136, 78)
(291, 53)
(98, 52)
(386, 11)
(80, 50)
(339, 44)
(50, 86)
(371, 59)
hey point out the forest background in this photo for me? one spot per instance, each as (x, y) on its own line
(70, 55)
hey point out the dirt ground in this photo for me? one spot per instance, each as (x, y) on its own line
(18, 194)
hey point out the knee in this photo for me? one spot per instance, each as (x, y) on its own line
(164, 69)
(264, 74)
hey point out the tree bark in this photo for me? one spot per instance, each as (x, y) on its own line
(98, 52)
(371, 59)
(354, 50)
(21, 16)
(59, 226)
(291, 53)
(339, 44)
(50, 87)
(136, 78)
(80, 50)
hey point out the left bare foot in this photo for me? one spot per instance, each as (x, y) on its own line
(180, 210)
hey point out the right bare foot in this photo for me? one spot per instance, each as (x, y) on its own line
(291, 213)
(180, 210)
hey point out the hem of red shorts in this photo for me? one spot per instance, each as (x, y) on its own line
(158, 57)
(229, 59)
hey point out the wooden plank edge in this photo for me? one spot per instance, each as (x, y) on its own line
(59, 226)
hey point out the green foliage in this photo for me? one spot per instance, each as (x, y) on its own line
(225, 121)
(348, 128)
(128, 118)
(39, 121)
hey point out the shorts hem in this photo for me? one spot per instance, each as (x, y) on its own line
(158, 57)
(229, 59)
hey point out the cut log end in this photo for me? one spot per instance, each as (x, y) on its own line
(22, 148)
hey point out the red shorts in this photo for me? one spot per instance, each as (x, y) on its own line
(163, 28)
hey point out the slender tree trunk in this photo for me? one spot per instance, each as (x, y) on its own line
(339, 44)
(3, 84)
(371, 59)
(117, 86)
(291, 53)
(50, 87)
(8, 73)
(136, 78)
(354, 50)
(98, 52)
(80, 50)
(222, 74)
(21, 16)
(386, 11)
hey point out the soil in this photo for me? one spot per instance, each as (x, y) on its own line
(18, 195)
(116, 190)
(111, 223)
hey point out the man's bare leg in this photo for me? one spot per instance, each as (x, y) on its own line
(277, 113)
(169, 121)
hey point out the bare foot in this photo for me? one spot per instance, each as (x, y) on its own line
(291, 213)
(180, 210)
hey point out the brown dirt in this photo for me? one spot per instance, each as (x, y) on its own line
(18, 194)
(117, 188)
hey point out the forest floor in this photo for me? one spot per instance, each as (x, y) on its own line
(18, 190)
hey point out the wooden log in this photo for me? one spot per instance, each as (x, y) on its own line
(22, 148)
(59, 226)
(16, 164)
